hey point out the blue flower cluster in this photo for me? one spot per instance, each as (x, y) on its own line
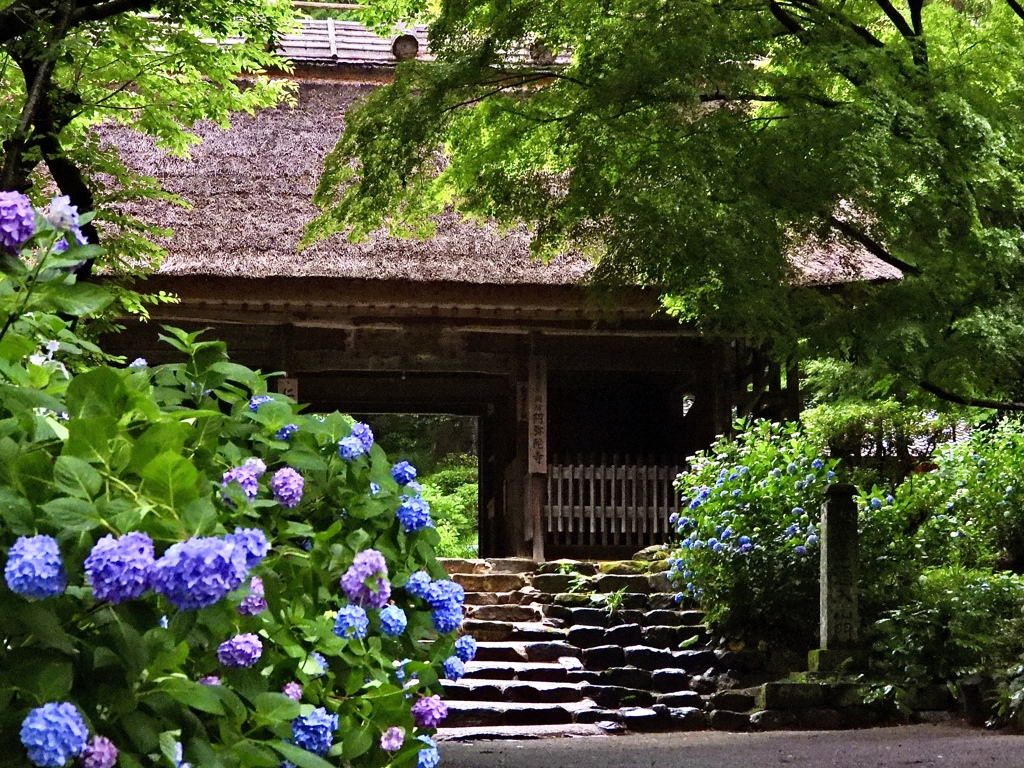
(393, 620)
(257, 401)
(454, 668)
(53, 734)
(446, 598)
(352, 621)
(35, 568)
(315, 732)
(286, 432)
(403, 473)
(418, 584)
(199, 572)
(119, 569)
(358, 442)
(465, 648)
(414, 514)
(429, 757)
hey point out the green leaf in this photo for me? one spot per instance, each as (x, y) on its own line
(16, 513)
(274, 707)
(172, 479)
(71, 514)
(76, 477)
(355, 743)
(202, 697)
(81, 299)
(55, 681)
(253, 753)
(97, 393)
(300, 757)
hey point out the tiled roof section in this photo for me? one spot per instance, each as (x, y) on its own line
(345, 42)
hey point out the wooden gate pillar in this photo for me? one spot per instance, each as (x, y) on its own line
(536, 451)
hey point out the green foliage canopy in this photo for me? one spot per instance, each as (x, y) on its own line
(693, 145)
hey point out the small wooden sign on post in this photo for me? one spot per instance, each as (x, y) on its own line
(537, 416)
(289, 388)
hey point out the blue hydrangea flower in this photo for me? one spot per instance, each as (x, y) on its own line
(443, 594)
(54, 733)
(286, 432)
(17, 221)
(100, 752)
(465, 648)
(34, 566)
(418, 584)
(830, 475)
(315, 732)
(350, 448)
(677, 597)
(209, 680)
(374, 489)
(61, 213)
(118, 569)
(817, 464)
(139, 362)
(414, 514)
(429, 757)
(199, 572)
(792, 468)
(393, 620)
(365, 582)
(352, 621)
(447, 619)
(811, 540)
(454, 668)
(321, 661)
(875, 503)
(253, 543)
(403, 473)
(257, 401)
(287, 485)
(240, 651)
(801, 550)
(363, 434)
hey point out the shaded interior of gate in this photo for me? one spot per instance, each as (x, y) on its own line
(588, 476)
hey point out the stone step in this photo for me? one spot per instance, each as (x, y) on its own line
(513, 631)
(490, 582)
(463, 714)
(454, 565)
(525, 651)
(518, 732)
(505, 613)
(514, 691)
(512, 565)
(549, 672)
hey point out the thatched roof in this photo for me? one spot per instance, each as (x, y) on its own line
(251, 190)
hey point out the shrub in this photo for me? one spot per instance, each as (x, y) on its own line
(173, 539)
(453, 494)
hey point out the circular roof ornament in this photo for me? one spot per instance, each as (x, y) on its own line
(405, 47)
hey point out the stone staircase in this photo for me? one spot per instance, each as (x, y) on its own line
(555, 660)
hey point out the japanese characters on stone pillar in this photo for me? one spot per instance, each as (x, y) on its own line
(839, 621)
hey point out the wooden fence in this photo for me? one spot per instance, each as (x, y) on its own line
(609, 505)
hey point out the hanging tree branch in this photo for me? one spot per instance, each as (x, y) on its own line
(978, 402)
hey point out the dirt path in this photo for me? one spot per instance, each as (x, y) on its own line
(916, 746)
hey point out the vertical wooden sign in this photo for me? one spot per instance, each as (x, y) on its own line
(537, 416)
(289, 388)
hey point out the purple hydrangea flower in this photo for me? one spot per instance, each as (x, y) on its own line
(61, 213)
(350, 448)
(286, 432)
(393, 620)
(287, 485)
(429, 711)
(245, 477)
(118, 569)
(53, 734)
(17, 220)
(363, 434)
(315, 732)
(139, 362)
(254, 603)
(454, 668)
(199, 572)
(392, 739)
(100, 752)
(257, 466)
(240, 651)
(34, 567)
(447, 619)
(365, 581)
(292, 690)
(321, 662)
(253, 542)
(352, 621)
(414, 514)
(418, 584)
(257, 401)
(209, 680)
(429, 757)
(465, 648)
(403, 473)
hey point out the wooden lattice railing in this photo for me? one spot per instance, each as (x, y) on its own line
(609, 505)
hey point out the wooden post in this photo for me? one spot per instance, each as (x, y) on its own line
(537, 448)
(289, 388)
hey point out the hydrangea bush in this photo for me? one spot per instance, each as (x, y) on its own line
(747, 535)
(196, 573)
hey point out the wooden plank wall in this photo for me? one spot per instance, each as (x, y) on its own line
(625, 503)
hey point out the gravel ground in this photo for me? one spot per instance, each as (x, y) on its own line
(944, 746)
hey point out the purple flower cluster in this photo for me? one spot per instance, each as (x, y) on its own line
(393, 620)
(100, 752)
(429, 711)
(118, 569)
(17, 221)
(53, 734)
(392, 739)
(287, 485)
(246, 477)
(465, 648)
(240, 651)
(293, 691)
(253, 542)
(254, 603)
(209, 680)
(365, 582)
(352, 621)
(414, 514)
(34, 567)
(199, 572)
(315, 732)
(403, 473)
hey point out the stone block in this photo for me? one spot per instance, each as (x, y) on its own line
(560, 612)
(642, 719)
(613, 583)
(661, 637)
(669, 680)
(511, 564)
(623, 567)
(736, 701)
(661, 601)
(773, 720)
(482, 598)
(591, 617)
(572, 599)
(552, 582)
(546, 694)
(693, 661)
(626, 616)
(703, 684)
(453, 565)
(571, 663)
(623, 635)
(634, 601)
(932, 697)
(931, 717)
(490, 582)
(842, 695)
(560, 566)
(584, 676)
(614, 696)
(604, 656)
(786, 695)
(828, 660)
(645, 657)
(550, 651)
(654, 552)
(681, 699)
(626, 677)
(488, 631)
(664, 617)
(724, 720)
(597, 715)
(660, 582)
(505, 613)
(745, 660)
(820, 719)
(688, 718)
(583, 636)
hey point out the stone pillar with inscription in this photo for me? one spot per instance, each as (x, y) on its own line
(537, 450)
(839, 628)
